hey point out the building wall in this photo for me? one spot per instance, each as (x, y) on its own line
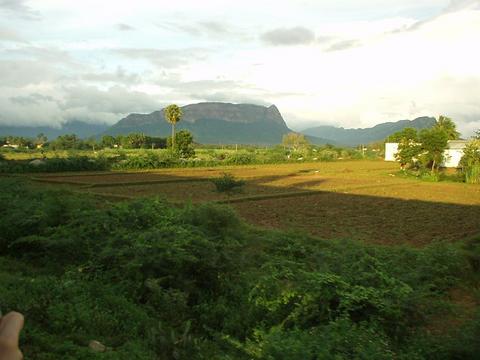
(390, 150)
(452, 156)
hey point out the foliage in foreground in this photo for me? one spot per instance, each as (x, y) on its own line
(151, 281)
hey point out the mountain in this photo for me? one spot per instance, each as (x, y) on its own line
(352, 137)
(214, 123)
(80, 128)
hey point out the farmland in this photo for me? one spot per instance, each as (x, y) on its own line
(361, 200)
(345, 259)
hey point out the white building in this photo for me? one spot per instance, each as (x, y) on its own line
(452, 154)
(390, 150)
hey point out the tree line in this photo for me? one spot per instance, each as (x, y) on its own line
(73, 142)
(424, 150)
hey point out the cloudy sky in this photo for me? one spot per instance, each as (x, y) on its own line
(353, 63)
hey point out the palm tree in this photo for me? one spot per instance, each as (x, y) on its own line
(173, 114)
(449, 127)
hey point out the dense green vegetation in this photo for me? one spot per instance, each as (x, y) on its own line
(150, 280)
(73, 142)
(470, 161)
(183, 155)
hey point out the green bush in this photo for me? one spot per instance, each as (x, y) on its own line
(341, 339)
(227, 183)
(472, 174)
(148, 159)
(240, 158)
(327, 155)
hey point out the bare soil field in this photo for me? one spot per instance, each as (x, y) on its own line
(363, 200)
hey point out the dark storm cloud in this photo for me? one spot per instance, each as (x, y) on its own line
(288, 36)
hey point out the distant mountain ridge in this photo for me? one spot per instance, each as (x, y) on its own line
(215, 123)
(352, 137)
(223, 123)
(80, 128)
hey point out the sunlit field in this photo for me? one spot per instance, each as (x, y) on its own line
(363, 200)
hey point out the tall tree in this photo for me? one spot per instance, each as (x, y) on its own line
(40, 140)
(407, 134)
(183, 143)
(135, 140)
(295, 141)
(447, 125)
(108, 141)
(173, 114)
(434, 142)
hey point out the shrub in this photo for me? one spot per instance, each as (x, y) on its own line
(327, 155)
(148, 159)
(240, 158)
(227, 183)
(472, 174)
(276, 155)
(470, 162)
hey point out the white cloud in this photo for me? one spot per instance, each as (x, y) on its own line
(18, 8)
(354, 64)
(289, 36)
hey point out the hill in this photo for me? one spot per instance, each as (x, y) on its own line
(215, 123)
(352, 137)
(80, 128)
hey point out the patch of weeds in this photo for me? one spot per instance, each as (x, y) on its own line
(227, 183)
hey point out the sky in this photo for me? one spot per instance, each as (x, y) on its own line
(349, 63)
